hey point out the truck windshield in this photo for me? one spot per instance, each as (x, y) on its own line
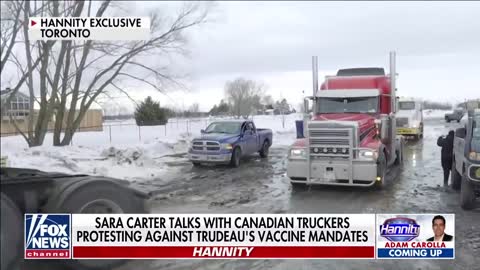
(224, 127)
(475, 144)
(347, 105)
(406, 105)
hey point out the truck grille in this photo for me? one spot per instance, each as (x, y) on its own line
(206, 146)
(327, 140)
(402, 122)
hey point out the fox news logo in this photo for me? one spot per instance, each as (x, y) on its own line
(47, 236)
(400, 229)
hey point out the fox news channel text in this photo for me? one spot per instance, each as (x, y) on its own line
(89, 28)
(418, 236)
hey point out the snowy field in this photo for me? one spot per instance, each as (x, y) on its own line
(124, 150)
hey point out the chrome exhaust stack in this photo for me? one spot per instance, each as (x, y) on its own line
(393, 89)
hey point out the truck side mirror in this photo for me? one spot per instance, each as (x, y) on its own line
(461, 133)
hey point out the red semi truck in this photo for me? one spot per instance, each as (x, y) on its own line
(351, 138)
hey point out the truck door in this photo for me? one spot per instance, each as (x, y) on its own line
(250, 138)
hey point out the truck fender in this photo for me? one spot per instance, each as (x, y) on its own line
(383, 150)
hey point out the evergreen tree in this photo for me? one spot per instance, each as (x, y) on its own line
(149, 113)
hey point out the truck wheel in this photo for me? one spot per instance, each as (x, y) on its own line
(99, 197)
(399, 153)
(381, 171)
(196, 164)
(11, 233)
(467, 195)
(264, 151)
(456, 177)
(448, 120)
(236, 155)
(458, 121)
(298, 186)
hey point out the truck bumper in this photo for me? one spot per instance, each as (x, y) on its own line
(337, 173)
(408, 131)
(210, 158)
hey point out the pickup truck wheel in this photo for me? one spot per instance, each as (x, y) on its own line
(264, 151)
(11, 233)
(236, 155)
(99, 197)
(467, 195)
(381, 171)
(456, 177)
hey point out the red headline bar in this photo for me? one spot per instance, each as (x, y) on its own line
(145, 252)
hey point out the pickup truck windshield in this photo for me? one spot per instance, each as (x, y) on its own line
(224, 127)
(475, 144)
(348, 105)
(406, 105)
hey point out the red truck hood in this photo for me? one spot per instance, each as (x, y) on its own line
(365, 121)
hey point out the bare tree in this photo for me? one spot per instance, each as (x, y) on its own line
(72, 75)
(243, 96)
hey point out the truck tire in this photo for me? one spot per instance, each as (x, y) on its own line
(196, 164)
(399, 159)
(381, 171)
(448, 120)
(467, 194)
(298, 186)
(95, 197)
(11, 233)
(236, 156)
(264, 151)
(456, 177)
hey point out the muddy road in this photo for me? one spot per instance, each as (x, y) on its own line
(261, 186)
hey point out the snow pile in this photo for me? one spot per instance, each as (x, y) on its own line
(133, 153)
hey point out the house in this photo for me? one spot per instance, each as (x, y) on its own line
(19, 106)
(18, 110)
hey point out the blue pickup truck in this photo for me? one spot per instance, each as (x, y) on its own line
(226, 142)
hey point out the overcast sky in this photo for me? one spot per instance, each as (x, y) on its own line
(437, 44)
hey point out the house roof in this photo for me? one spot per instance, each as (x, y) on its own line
(6, 92)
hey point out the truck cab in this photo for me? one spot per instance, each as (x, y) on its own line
(410, 118)
(456, 115)
(351, 139)
(466, 161)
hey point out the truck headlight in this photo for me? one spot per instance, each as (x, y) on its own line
(227, 146)
(368, 154)
(297, 153)
(474, 172)
(474, 156)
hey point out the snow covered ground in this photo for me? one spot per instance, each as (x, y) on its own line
(124, 150)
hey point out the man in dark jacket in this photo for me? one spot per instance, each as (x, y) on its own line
(447, 154)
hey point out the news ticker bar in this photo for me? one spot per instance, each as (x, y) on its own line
(89, 28)
(256, 236)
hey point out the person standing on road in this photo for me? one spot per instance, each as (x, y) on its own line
(447, 154)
